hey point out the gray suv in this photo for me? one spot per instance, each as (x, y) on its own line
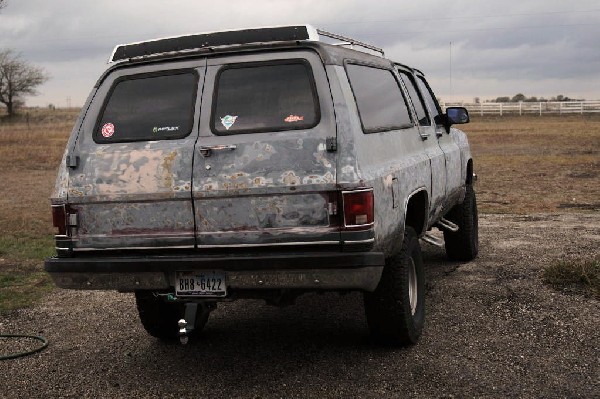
(261, 163)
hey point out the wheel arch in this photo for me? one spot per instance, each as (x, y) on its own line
(416, 211)
(470, 177)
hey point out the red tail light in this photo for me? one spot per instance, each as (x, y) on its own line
(358, 207)
(59, 219)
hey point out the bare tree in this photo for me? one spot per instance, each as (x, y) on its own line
(17, 79)
(2, 4)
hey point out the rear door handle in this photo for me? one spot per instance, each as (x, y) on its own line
(206, 150)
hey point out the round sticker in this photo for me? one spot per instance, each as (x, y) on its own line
(108, 130)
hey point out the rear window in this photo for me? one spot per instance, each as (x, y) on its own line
(265, 98)
(381, 104)
(148, 107)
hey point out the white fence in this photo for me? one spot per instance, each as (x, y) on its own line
(530, 108)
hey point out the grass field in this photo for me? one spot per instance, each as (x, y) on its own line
(525, 164)
(532, 164)
(30, 151)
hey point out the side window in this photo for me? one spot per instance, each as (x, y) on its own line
(379, 99)
(265, 98)
(432, 103)
(417, 100)
(148, 107)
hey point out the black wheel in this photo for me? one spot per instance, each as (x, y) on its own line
(396, 309)
(160, 317)
(464, 244)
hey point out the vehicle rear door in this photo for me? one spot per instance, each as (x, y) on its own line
(130, 175)
(264, 173)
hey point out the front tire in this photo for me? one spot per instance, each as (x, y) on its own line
(396, 309)
(160, 317)
(463, 245)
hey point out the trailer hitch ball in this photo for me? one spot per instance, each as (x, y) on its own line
(186, 325)
(183, 338)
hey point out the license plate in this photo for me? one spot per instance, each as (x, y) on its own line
(202, 284)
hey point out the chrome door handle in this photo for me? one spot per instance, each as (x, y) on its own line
(206, 150)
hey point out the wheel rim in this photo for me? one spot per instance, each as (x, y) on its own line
(412, 286)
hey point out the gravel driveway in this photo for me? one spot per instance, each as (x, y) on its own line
(492, 330)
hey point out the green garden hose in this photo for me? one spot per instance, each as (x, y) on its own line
(15, 355)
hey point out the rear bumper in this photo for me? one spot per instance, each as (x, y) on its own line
(309, 271)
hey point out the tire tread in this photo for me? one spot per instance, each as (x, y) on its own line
(463, 245)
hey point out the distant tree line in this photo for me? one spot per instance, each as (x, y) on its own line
(523, 98)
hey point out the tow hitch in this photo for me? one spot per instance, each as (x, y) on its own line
(186, 325)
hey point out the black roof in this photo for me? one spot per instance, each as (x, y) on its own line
(248, 41)
(209, 40)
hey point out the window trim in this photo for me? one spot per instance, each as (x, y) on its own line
(146, 75)
(434, 119)
(253, 64)
(394, 75)
(412, 79)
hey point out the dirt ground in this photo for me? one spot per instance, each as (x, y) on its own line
(493, 329)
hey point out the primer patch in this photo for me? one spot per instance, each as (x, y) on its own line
(228, 121)
(108, 130)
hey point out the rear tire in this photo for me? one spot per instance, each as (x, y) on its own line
(160, 317)
(463, 245)
(396, 309)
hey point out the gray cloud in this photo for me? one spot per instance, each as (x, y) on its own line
(498, 47)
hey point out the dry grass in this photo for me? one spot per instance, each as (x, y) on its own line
(30, 151)
(525, 164)
(536, 164)
(575, 277)
(29, 157)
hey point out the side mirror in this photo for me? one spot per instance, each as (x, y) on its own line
(457, 115)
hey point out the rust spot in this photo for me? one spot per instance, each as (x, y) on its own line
(167, 169)
(290, 178)
(76, 193)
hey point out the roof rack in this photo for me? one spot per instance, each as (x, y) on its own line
(194, 42)
(347, 41)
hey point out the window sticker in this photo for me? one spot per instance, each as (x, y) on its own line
(293, 118)
(228, 121)
(108, 130)
(157, 129)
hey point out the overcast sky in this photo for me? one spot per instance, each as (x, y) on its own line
(541, 48)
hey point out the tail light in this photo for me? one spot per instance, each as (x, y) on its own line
(59, 219)
(358, 207)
